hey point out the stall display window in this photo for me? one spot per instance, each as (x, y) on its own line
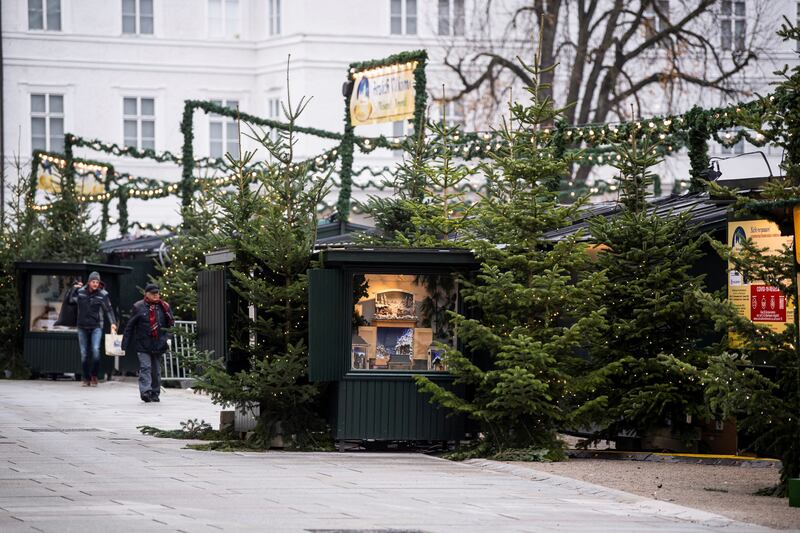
(401, 321)
(46, 297)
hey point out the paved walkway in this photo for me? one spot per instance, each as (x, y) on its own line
(99, 474)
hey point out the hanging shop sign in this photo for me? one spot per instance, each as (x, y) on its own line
(761, 303)
(383, 94)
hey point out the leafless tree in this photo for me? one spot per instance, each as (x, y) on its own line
(652, 55)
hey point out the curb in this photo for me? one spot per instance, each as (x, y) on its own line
(702, 459)
(644, 505)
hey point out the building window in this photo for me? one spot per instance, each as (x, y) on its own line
(223, 18)
(274, 17)
(46, 296)
(403, 321)
(274, 110)
(733, 27)
(451, 17)
(139, 122)
(137, 17)
(223, 131)
(653, 21)
(47, 122)
(403, 17)
(453, 113)
(44, 15)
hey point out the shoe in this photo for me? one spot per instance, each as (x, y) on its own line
(85, 383)
(94, 381)
(146, 398)
(154, 398)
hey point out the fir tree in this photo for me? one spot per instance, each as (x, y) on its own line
(758, 380)
(532, 305)
(644, 375)
(269, 222)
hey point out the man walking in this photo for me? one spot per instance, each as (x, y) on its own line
(146, 328)
(92, 303)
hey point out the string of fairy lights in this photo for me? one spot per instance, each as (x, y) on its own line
(590, 144)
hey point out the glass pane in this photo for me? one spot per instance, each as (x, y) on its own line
(215, 131)
(278, 17)
(146, 8)
(411, 17)
(233, 139)
(128, 8)
(399, 320)
(38, 126)
(128, 24)
(57, 134)
(216, 149)
(54, 15)
(458, 17)
(726, 8)
(35, 15)
(740, 9)
(56, 103)
(397, 26)
(46, 297)
(148, 129)
(741, 34)
(148, 144)
(215, 17)
(725, 36)
(444, 17)
(38, 103)
(131, 133)
(146, 25)
(231, 17)
(129, 106)
(38, 142)
(397, 128)
(148, 107)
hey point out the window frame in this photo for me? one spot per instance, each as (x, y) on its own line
(455, 25)
(48, 116)
(275, 17)
(407, 18)
(229, 130)
(224, 20)
(45, 18)
(139, 120)
(137, 18)
(733, 20)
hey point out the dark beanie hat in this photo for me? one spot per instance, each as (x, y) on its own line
(151, 287)
(94, 275)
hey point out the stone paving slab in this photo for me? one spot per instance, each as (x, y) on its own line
(113, 478)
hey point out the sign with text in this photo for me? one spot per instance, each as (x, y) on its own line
(383, 94)
(760, 303)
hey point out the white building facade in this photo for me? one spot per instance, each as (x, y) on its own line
(120, 70)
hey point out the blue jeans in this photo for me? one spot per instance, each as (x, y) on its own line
(83, 341)
(149, 374)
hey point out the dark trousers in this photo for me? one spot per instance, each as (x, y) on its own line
(89, 342)
(149, 374)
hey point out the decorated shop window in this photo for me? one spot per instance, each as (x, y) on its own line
(401, 321)
(47, 296)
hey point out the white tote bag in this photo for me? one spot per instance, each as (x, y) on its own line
(114, 345)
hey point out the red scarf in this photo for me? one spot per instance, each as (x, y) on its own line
(154, 317)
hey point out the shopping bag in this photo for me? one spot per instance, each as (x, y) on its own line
(114, 345)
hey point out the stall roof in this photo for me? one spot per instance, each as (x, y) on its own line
(60, 266)
(706, 214)
(127, 245)
(361, 256)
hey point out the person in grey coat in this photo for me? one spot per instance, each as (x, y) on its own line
(93, 303)
(147, 329)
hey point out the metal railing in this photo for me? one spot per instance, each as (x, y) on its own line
(182, 344)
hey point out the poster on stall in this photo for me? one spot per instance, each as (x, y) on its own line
(756, 301)
(383, 94)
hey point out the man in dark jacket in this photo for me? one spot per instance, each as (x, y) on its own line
(92, 302)
(146, 328)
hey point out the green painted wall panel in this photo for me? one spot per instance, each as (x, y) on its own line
(330, 295)
(391, 408)
(56, 353)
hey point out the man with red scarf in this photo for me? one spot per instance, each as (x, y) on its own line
(147, 328)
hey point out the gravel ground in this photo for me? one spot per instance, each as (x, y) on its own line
(725, 490)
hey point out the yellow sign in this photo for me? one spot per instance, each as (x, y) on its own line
(762, 304)
(84, 185)
(383, 94)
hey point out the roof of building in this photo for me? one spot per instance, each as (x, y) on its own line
(706, 213)
(139, 244)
